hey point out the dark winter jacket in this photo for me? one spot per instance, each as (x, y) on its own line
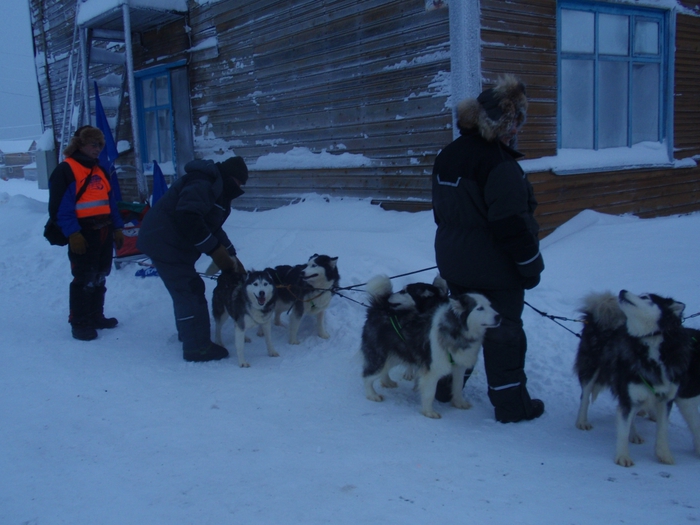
(186, 222)
(484, 210)
(62, 193)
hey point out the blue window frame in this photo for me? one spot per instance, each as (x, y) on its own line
(613, 70)
(155, 110)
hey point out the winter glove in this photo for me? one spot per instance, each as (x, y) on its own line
(530, 282)
(118, 239)
(77, 243)
(223, 260)
(239, 265)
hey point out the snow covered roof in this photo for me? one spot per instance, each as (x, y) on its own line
(16, 146)
(106, 14)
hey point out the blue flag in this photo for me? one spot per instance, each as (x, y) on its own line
(159, 185)
(109, 152)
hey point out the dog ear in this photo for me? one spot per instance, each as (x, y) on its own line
(678, 308)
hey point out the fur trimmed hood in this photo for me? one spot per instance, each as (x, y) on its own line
(83, 136)
(495, 110)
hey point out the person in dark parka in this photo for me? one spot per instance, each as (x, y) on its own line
(487, 236)
(185, 223)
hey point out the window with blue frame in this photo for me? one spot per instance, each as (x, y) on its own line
(155, 118)
(613, 71)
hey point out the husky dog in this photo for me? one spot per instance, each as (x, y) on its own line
(305, 289)
(250, 301)
(402, 314)
(441, 340)
(688, 399)
(636, 347)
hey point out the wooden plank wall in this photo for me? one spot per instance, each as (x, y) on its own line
(520, 36)
(345, 76)
(52, 26)
(687, 80)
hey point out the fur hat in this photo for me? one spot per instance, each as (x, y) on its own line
(82, 137)
(496, 109)
(234, 167)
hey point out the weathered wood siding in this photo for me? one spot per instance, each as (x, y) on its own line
(687, 96)
(368, 77)
(520, 36)
(52, 25)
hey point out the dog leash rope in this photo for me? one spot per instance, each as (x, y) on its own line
(393, 277)
(557, 318)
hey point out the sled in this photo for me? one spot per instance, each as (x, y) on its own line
(132, 214)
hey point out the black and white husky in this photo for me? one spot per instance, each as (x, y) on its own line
(688, 399)
(250, 301)
(305, 289)
(636, 347)
(436, 341)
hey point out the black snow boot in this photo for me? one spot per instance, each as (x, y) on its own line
(99, 320)
(514, 404)
(80, 303)
(213, 352)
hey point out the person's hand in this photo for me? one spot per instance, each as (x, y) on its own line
(118, 239)
(239, 265)
(223, 260)
(77, 243)
(530, 282)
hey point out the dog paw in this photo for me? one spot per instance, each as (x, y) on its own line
(461, 403)
(584, 425)
(244, 365)
(665, 457)
(375, 397)
(272, 353)
(324, 335)
(431, 414)
(247, 339)
(408, 376)
(388, 383)
(294, 342)
(636, 439)
(624, 461)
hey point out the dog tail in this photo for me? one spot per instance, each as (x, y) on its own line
(603, 309)
(379, 286)
(441, 284)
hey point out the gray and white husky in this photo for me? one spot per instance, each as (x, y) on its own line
(438, 341)
(250, 301)
(636, 346)
(305, 289)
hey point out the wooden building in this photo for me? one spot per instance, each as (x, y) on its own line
(355, 97)
(14, 156)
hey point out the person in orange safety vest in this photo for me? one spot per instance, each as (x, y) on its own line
(82, 204)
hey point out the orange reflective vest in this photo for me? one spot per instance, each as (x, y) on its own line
(95, 199)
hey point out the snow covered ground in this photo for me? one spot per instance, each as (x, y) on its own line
(121, 430)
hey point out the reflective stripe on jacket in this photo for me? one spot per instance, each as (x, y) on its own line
(95, 200)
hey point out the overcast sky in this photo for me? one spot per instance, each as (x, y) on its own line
(20, 116)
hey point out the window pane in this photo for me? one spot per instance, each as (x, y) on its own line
(577, 104)
(162, 95)
(646, 37)
(613, 34)
(612, 99)
(577, 31)
(645, 102)
(148, 94)
(151, 132)
(166, 143)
